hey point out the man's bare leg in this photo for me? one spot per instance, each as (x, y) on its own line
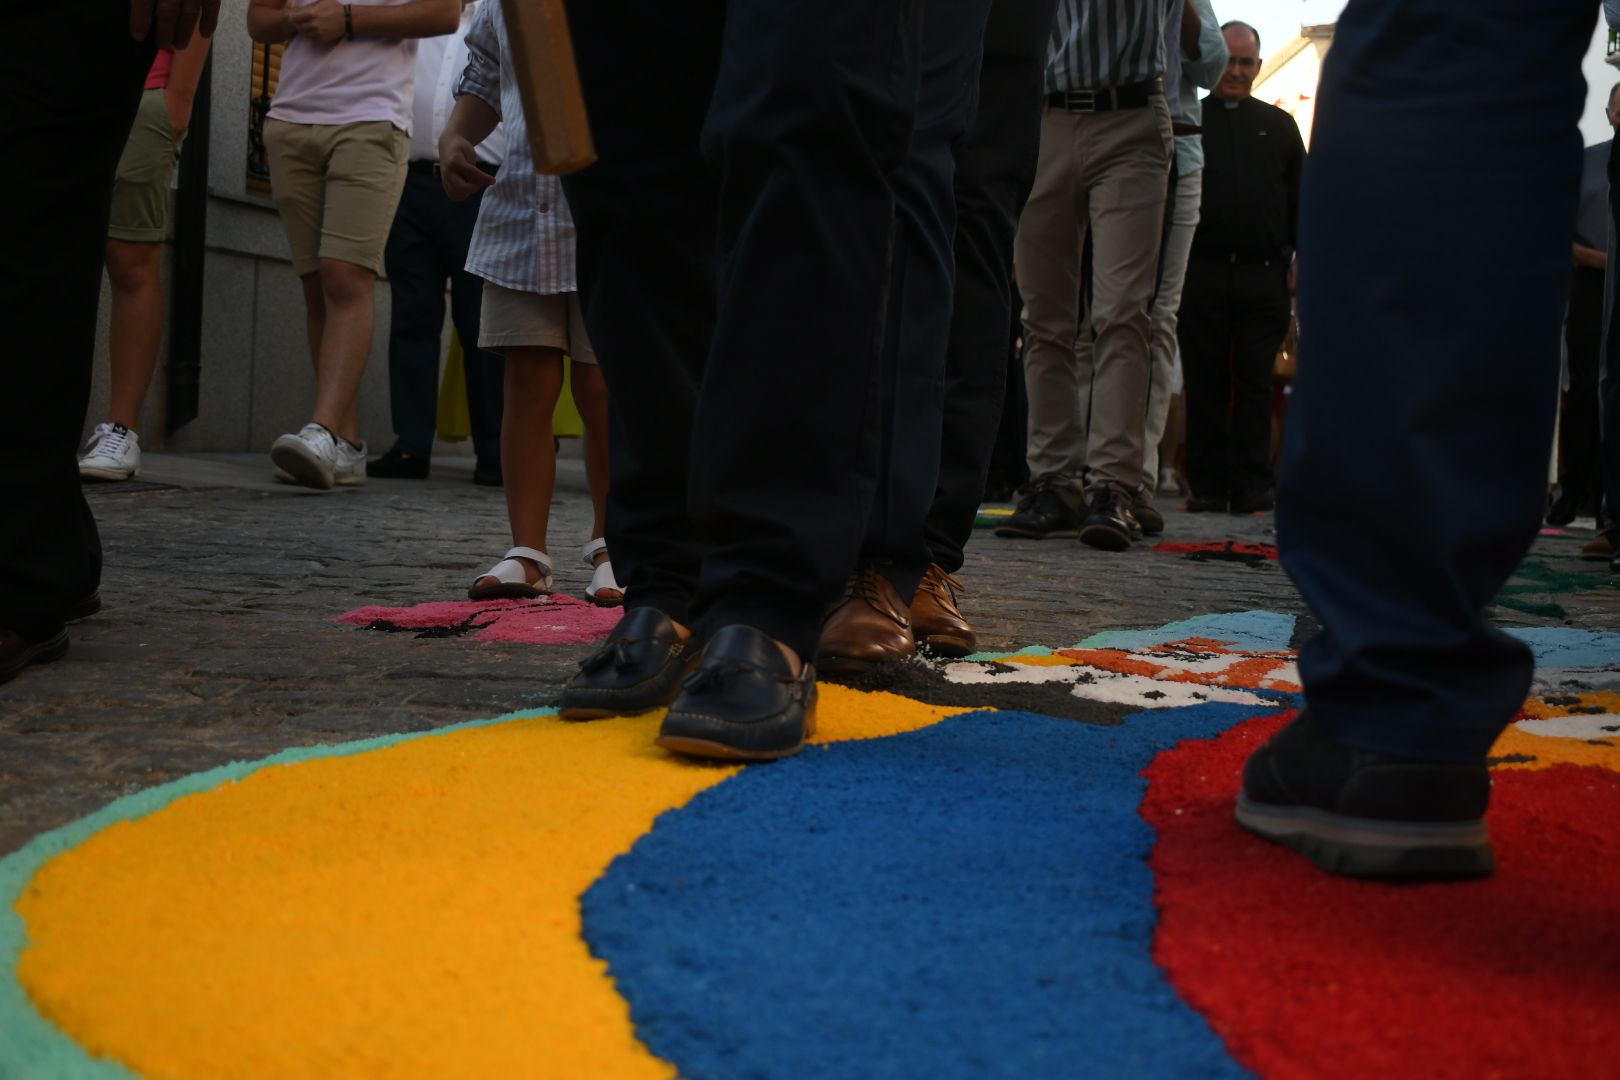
(133, 271)
(348, 299)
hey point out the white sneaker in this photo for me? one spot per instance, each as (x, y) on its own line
(350, 468)
(113, 453)
(318, 459)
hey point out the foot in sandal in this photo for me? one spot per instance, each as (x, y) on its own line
(522, 575)
(603, 591)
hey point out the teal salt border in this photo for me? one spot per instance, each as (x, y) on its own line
(1556, 648)
(32, 1047)
(1260, 631)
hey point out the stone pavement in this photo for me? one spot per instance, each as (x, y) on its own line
(217, 642)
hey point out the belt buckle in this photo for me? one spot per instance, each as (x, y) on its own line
(1072, 100)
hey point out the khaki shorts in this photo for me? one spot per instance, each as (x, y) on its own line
(140, 202)
(336, 187)
(511, 319)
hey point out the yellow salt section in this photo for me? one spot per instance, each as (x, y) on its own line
(407, 911)
(1041, 661)
(1573, 705)
(1548, 750)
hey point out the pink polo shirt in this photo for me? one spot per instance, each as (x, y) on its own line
(158, 77)
(347, 82)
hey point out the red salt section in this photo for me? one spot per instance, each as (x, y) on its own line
(1308, 975)
(1217, 547)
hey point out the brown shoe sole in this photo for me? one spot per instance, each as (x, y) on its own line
(719, 751)
(1106, 537)
(1016, 533)
(849, 665)
(716, 751)
(947, 646)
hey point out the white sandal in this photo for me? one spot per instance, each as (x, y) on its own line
(602, 579)
(512, 577)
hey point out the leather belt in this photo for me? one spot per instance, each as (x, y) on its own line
(431, 168)
(1239, 258)
(1108, 98)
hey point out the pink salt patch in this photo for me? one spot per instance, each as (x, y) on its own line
(551, 620)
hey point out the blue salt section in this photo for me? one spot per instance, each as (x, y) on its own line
(1262, 631)
(1564, 647)
(970, 900)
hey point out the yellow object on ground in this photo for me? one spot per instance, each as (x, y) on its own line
(566, 422)
(454, 415)
(405, 911)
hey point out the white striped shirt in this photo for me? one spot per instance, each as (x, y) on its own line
(524, 238)
(1101, 43)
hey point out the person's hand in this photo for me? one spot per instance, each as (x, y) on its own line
(170, 22)
(321, 21)
(458, 168)
(179, 114)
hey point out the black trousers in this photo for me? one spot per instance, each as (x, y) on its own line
(1233, 319)
(1579, 436)
(427, 245)
(735, 241)
(995, 167)
(70, 80)
(1415, 470)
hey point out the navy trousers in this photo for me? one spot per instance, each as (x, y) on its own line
(1434, 252)
(70, 80)
(921, 291)
(426, 247)
(994, 169)
(1609, 380)
(735, 242)
(1580, 435)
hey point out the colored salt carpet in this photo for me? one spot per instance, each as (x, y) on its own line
(931, 889)
(547, 620)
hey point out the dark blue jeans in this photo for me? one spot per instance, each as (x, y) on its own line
(426, 247)
(1434, 252)
(735, 243)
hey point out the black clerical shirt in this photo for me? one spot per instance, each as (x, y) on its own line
(1252, 160)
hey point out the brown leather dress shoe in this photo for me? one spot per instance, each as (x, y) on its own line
(936, 621)
(17, 652)
(868, 627)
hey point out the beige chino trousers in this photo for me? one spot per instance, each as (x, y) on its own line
(1106, 172)
(1164, 316)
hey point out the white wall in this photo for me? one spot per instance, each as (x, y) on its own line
(1600, 78)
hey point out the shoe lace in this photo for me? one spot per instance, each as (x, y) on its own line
(938, 581)
(109, 439)
(1039, 491)
(866, 583)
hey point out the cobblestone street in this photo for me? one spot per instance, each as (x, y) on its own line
(217, 641)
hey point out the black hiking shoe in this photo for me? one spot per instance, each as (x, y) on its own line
(1042, 514)
(1362, 814)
